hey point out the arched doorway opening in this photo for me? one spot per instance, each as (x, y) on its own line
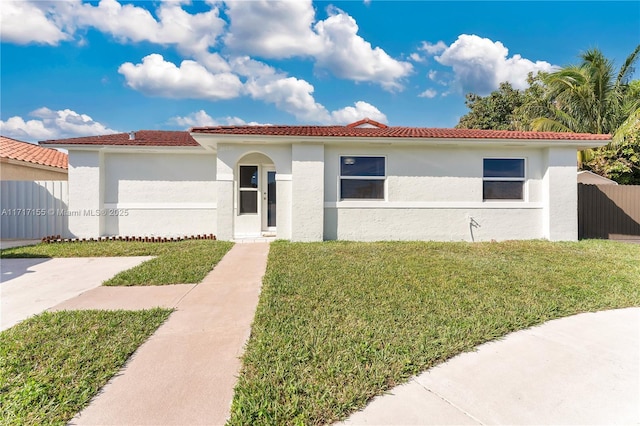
(255, 182)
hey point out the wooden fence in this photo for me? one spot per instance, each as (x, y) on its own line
(33, 210)
(609, 211)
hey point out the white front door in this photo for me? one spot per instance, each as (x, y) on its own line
(256, 200)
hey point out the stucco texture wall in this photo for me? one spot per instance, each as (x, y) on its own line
(434, 193)
(160, 194)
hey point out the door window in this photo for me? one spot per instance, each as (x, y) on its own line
(248, 197)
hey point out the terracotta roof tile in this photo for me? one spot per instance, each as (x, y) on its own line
(368, 121)
(142, 138)
(31, 153)
(392, 132)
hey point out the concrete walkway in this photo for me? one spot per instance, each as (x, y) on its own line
(30, 286)
(185, 373)
(583, 369)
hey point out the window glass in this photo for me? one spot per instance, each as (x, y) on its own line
(362, 166)
(357, 188)
(503, 190)
(248, 202)
(504, 167)
(248, 176)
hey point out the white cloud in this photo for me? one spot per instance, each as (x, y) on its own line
(54, 21)
(49, 124)
(433, 49)
(288, 94)
(349, 56)
(192, 33)
(195, 119)
(429, 93)
(157, 77)
(22, 22)
(480, 65)
(360, 110)
(272, 29)
(284, 29)
(417, 58)
(202, 119)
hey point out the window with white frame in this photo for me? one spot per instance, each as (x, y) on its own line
(362, 177)
(503, 179)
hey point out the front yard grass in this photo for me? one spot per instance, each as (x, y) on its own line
(181, 262)
(339, 323)
(51, 365)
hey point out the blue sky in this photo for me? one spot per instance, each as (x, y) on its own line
(74, 68)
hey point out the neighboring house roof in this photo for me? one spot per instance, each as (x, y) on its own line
(590, 178)
(139, 138)
(13, 149)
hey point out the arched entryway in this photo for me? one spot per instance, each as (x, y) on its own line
(255, 196)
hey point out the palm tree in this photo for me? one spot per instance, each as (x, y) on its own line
(591, 98)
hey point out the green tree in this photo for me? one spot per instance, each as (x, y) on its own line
(495, 111)
(506, 108)
(591, 97)
(620, 162)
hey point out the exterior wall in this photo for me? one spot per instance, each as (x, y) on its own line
(85, 193)
(160, 194)
(307, 188)
(432, 224)
(28, 171)
(560, 218)
(434, 194)
(431, 193)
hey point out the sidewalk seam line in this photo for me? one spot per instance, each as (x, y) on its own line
(450, 403)
(185, 295)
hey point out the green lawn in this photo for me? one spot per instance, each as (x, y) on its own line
(339, 322)
(52, 364)
(176, 263)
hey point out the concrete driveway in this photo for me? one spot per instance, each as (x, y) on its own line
(579, 370)
(30, 286)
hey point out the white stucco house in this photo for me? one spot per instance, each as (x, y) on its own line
(364, 181)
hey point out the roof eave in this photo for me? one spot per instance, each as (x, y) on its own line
(210, 140)
(34, 165)
(128, 148)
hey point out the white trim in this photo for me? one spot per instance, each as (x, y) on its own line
(111, 149)
(380, 204)
(161, 206)
(283, 177)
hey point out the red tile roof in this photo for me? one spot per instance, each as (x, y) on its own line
(142, 138)
(368, 121)
(392, 132)
(24, 151)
